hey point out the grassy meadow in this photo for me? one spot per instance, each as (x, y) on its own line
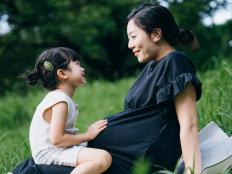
(99, 99)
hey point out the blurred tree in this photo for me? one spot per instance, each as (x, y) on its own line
(96, 29)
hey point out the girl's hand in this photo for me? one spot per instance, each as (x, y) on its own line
(95, 128)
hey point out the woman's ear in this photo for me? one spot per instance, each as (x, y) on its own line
(61, 74)
(156, 35)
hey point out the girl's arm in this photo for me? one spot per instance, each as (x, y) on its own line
(185, 104)
(58, 136)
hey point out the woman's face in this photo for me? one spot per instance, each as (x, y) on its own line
(141, 43)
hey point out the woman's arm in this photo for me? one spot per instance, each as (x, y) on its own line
(58, 136)
(185, 104)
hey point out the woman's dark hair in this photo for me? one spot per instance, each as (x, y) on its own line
(149, 16)
(48, 62)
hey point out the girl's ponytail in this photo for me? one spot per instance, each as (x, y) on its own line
(32, 77)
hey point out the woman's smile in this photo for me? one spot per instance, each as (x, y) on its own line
(136, 53)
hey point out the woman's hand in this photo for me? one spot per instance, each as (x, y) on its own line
(96, 128)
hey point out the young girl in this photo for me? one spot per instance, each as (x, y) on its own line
(53, 137)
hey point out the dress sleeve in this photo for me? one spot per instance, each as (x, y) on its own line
(177, 72)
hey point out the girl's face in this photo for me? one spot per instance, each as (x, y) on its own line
(141, 43)
(76, 74)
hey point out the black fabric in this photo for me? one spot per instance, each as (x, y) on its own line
(148, 127)
(26, 167)
(29, 167)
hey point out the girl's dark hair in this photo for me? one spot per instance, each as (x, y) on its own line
(149, 16)
(48, 62)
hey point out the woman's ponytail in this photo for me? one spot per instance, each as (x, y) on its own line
(186, 36)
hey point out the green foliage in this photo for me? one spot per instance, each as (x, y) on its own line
(216, 100)
(14, 149)
(140, 167)
(98, 35)
(15, 111)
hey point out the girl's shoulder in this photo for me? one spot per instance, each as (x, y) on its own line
(56, 93)
(56, 96)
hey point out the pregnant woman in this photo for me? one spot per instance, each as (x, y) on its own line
(160, 119)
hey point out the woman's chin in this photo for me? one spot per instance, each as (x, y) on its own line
(141, 60)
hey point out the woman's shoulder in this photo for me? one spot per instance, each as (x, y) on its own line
(176, 56)
(179, 60)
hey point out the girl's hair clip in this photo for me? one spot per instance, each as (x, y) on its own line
(48, 66)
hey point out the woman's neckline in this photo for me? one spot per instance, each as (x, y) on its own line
(164, 57)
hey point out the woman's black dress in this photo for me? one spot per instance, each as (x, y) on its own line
(148, 128)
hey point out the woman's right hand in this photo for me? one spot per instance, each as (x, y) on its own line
(95, 128)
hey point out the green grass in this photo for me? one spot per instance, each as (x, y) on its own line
(216, 102)
(99, 99)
